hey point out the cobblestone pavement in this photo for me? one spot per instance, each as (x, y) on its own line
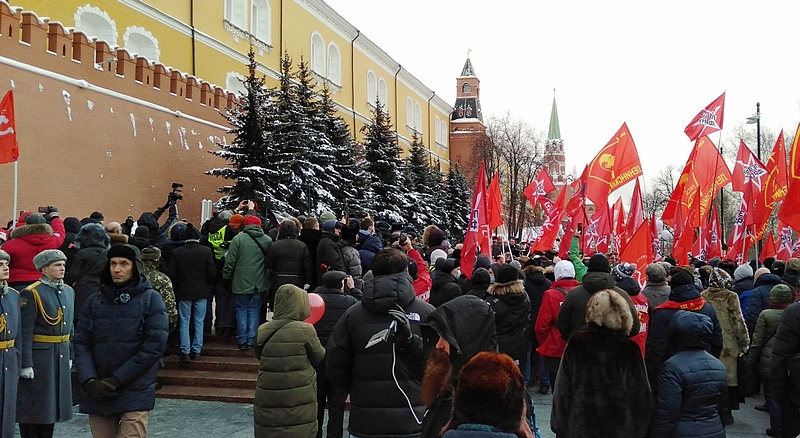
(197, 419)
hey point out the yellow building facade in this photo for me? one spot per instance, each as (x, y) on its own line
(209, 39)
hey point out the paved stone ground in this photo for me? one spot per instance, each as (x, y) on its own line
(198, 419)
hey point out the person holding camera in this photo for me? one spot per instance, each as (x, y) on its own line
(158, 233)
(29, 240)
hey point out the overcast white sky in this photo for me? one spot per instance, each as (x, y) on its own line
(651, 64)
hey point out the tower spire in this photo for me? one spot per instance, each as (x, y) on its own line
(554, 133)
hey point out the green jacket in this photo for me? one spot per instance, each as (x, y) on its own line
(574, 257)
(286, 390)
(760, 354)
(244, 261)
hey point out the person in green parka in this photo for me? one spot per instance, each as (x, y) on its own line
(287, 349)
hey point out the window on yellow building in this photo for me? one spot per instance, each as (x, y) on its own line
(409, 113)
(96, 23)
(372, 88)
(418, 118)
(437, 129)
(317, 54)
(260, 25)
(383, 93)
(334, 64)
(236, 13)
(140, 41)
(445, 133)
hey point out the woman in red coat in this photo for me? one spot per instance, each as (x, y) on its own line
(551, 344)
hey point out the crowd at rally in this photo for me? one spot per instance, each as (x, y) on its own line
(89, 307)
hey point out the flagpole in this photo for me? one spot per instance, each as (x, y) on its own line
(14, 212)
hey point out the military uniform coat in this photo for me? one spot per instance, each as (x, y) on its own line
(47, 398)
(9, 359)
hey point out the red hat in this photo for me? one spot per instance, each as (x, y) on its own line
(236, 220)
(252, 220)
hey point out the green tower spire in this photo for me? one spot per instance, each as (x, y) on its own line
(554, 133)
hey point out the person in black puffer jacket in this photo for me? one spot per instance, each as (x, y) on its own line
(785, 369)
(759, 299)
(691, 383)
(119, 342)
(72, 226)
(684, 296)
(383, 390)
(480, 283)
(445, 286)
(512, 309)
(336, 303)
(480, 262)
(289, 261)
(535, 286)
(92, 242)
(158, 233)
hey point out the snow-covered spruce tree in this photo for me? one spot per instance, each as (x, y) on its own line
(419, 181)
(388, 197)
(256, 167)
(323, 179)
(346, 154)
(459, 198)
(439, 214)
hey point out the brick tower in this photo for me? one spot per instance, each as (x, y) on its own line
(554, 160)
(466, 121)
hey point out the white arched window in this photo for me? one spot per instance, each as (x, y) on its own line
(140, 41)
(418, 117)
(445, 133)
(317, 54)
(437, 129)
(236, 13)
(96, 23)
(334, 64)
(260, 16)
(372, 87)
(234, 82)
(383, 93)
(409, 113)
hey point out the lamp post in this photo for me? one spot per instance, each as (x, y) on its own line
(721, 207)
(756, 118)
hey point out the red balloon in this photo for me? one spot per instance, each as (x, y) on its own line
(317, 308)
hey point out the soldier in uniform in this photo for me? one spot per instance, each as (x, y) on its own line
(9, 351)
(160, 281)
(45, 388)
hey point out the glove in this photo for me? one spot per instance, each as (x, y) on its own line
(100, 389)
(402, 333)
(51, 209)
(26, 373)
(112, 382)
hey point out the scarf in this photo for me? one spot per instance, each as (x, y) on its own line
(58, 285)
(691, 305)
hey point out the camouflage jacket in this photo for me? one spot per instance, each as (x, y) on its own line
(163, 285)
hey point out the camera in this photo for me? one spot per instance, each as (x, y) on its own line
(175, 194)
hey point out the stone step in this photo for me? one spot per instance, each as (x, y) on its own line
(206, 393)
(215, 379)
(246, 363)
(220, 349)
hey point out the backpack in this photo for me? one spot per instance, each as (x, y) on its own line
(144, 308)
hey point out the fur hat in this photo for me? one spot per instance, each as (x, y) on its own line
(608, 309)
(4, 256)
(742, 272)
(96, 215)
(680, 278)
(793, 264)
(491, 391)
(34, 219)
(252, 220)
(507, 274)
(720, 279)
(349, 235)
(623, 270)
(598, 263)
(48, 257)
(564, 269)
(333, 278)
(236, 220)
(151, 253)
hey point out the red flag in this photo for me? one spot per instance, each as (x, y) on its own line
(495, 204)
(737, 240)
(477, 227)
(612, 167)
(657, 257)
(769, 248)
(774, 190)
(790, 210)
(672, 209)
(9, 148)
(708, 120)
(572, 228)
(714, 243)
(784, 251)
(636, 213)
(709, 173)
(639, 249)
(620, 238)
(539, 187)
(683, 243)
(578, 199)
(552, 225)
(598, 232)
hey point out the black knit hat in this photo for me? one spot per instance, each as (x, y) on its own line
(680, 278)
(507, 274)
(598, 263)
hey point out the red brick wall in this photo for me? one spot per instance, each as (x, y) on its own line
(82, 149)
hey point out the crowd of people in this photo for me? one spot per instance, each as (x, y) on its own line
(422, 349)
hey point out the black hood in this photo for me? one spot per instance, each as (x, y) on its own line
(467, 323)
(92, 235)
(105, 276)
(690, 330)
(72, 224)
(629, 285)
(383, 292)
(149, 221)
(683, 293)
(597, 281)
